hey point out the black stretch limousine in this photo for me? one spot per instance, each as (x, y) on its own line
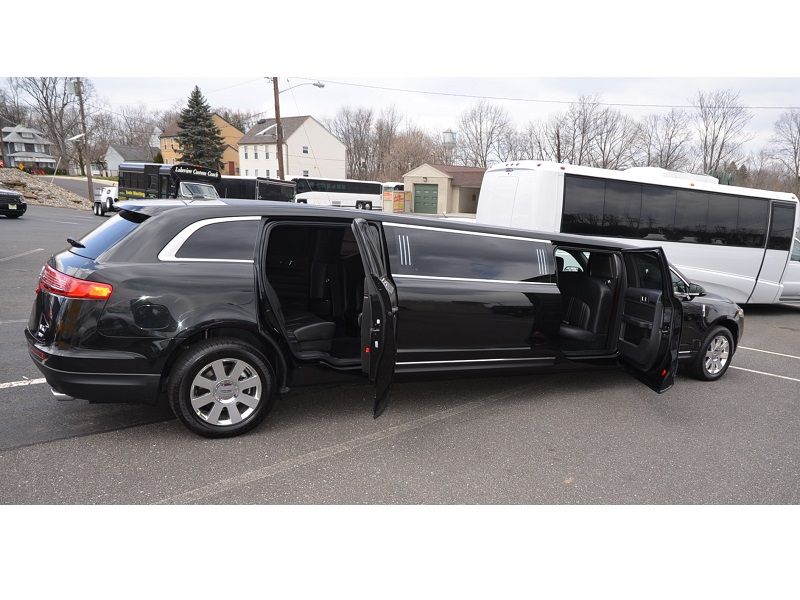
(215, 304)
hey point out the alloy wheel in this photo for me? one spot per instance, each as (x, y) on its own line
(717, 355)
(225, 392)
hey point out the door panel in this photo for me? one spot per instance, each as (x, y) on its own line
(768, 287)
(651, 320)
(378, 317)
(426, 198)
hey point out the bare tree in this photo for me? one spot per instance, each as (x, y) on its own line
(411, 148)
(786, 145)
(720, 120)
(384, 136)
(613, 139)
(354, 127)
(135, 125)
(54, 106)
(510, 145)
(664, 141)
(13, 111)
(241, 119)
(481, 128)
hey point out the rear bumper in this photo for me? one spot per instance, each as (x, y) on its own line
(81, 379)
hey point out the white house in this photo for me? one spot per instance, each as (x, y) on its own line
(27, 147)
(310, 150)
(119, 153)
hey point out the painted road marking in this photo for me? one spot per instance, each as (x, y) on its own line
(770, 352)
(12, 384)
(231, 483)
(21, 254)
(765, 373)
(17, 321)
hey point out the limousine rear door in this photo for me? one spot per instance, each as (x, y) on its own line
(651, 320)
(379, 314)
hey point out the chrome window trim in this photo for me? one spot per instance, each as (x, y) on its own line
(471, 280)
(479, 233)
(169, 251)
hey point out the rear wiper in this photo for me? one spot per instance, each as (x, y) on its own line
(75, 244)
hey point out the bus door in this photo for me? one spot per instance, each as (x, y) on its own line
(768, 288)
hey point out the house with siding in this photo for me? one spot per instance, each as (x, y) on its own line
(24, 146)
(309, 150)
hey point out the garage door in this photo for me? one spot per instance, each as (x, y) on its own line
(426, 198)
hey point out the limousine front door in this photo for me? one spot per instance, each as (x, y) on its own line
(651, 320)
(378, 317)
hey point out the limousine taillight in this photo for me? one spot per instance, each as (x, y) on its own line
(61, 284)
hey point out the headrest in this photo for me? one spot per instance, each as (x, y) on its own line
(601, 265)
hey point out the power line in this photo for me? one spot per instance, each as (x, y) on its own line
(532, 100)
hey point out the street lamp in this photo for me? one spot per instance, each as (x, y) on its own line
(278, 127)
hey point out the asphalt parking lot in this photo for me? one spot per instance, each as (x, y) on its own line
(600, 437)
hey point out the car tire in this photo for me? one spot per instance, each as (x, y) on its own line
(229, 409)
(13, 216)
(715, 355)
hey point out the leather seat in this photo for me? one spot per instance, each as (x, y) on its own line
(587, 299)
(309, 331)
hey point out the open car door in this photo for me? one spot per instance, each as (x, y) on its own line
(378, 317)
(651, 319)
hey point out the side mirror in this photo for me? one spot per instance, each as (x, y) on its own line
(696, 290)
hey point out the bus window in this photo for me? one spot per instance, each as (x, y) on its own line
(780, 232)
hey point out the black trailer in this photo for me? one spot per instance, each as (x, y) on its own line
(256, 188)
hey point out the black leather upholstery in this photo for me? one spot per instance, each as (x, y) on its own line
(309, 331)
(587, 303)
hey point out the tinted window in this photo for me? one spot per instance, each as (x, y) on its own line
(657, 221)
(796, 248)
(108, 234)
(645, 269)
(691, 211)
(583, 205)
(752, 222)
(441, 253)
(722, 217)
(622, 209)
(231, 240)
(780, 232)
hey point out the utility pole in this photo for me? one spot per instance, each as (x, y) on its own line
(278, 127)
(86, 160)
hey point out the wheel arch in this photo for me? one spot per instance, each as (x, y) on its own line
(268, 347)
(731, 326)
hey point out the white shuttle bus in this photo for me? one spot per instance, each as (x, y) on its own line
(348, 193)
(738, 242)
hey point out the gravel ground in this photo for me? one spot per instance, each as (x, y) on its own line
(39, 190)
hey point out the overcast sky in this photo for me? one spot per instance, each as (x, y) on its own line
(437, 113)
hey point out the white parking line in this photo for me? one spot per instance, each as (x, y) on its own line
(769, 352)
(21, 254)
(765, 373)
(12, 384)
(15, 321)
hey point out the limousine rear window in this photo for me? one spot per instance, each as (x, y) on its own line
(433, 252)
(108, 234)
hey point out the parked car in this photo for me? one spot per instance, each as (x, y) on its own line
(12, 204)
(712, 325)
(216, 306)
(105, 200)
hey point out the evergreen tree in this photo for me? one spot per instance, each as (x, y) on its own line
(200, 139)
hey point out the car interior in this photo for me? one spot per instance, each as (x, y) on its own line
(589, 283)
(316, 278)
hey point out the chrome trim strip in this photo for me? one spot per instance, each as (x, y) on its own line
(481, 233)
(471, 280)
(169, 251)
(474, 360)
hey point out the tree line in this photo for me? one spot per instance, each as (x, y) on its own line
(709, 137)
(49, 105)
